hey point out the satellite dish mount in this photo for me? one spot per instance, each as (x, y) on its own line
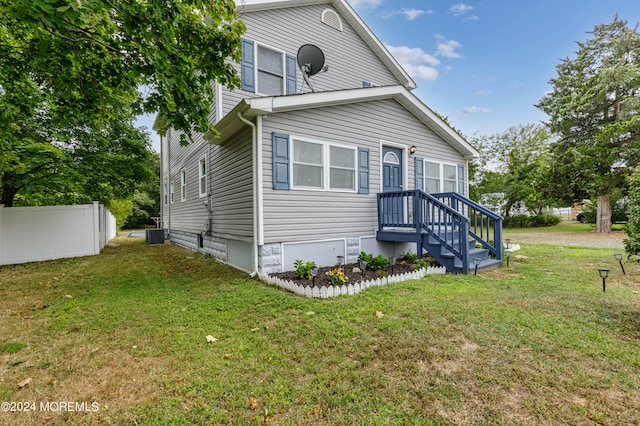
(311, 62)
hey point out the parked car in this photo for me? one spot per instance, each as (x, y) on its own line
(618, 214)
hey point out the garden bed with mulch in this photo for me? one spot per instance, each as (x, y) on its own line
(352, 272)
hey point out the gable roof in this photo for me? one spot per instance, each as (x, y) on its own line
(252, 107)
(351, 17)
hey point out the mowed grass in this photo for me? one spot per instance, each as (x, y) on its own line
(535, 343)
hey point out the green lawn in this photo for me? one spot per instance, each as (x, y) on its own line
(535, 343)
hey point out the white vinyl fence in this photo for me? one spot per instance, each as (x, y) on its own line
(31, 234)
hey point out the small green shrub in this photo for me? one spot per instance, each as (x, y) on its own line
(303, 269)
(374, 263)
(408, 257)
(420, 264)
(524, 221)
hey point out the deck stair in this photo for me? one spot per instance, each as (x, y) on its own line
(451, 228)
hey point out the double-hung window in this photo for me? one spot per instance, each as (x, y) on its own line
(183, 185)
(319, 165)
(266, 70)
(202, 177)
(342, 168)
(439, 177)
(270, 71)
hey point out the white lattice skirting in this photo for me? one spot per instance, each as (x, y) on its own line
(349, 289)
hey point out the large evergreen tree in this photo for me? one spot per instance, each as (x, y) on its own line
(594, 108)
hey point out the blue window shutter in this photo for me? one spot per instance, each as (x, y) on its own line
(363, 170)
(292, 66)
(280, 156)
(419, 169)
(366, 84)
(461, 181)
(247, 66)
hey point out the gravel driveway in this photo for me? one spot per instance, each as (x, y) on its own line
(590, 239)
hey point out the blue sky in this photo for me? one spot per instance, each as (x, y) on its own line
(484, 64)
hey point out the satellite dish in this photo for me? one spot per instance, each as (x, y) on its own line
(311, 61)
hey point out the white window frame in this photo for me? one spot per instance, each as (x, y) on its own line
(202, 177)
(183, 185)
(326, 165)
(165, 193)
(441, 179)
(256, 70)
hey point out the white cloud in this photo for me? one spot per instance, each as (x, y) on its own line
(409, 14)
(483, 92)
(448, 48)
(418, 63)
(475, 110)
(412, 55)
(365, 3)
(470, 18)
(421, 72)
(460, 9)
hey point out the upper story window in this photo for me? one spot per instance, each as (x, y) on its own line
(266, 70)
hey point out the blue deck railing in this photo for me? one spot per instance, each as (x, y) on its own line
(448, 218)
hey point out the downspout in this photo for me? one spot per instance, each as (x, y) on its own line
(256, 190)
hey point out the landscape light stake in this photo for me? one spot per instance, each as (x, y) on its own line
(363, 266)
(604, 273)
(508, 254)
(618, 257)
(476, 261)
(340, 261)
(313, 271)
(508, 241)
(393, 263)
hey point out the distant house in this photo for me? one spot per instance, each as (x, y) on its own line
(299, 174)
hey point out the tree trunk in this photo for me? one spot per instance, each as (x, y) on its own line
(603, 218)
(7, 194)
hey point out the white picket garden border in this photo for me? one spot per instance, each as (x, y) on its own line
(348, 289)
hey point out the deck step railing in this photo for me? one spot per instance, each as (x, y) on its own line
(447, 220)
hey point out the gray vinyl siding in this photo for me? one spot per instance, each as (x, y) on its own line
(231, 187)
(190, 215)
(301, 215)
(349, 58)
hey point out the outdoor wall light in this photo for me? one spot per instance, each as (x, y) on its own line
(393, 263)
(413, 149)
(363, 266)
(507, 253)
(313, 271)
(476, 262)
(618, 257)
(604, 273)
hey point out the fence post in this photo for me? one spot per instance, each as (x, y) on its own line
(96, 227)
(1, 234)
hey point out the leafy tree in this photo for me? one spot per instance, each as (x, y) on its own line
(632, 242)
(518, 166)
(146, 198)
(70, 69)
(593, 108)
